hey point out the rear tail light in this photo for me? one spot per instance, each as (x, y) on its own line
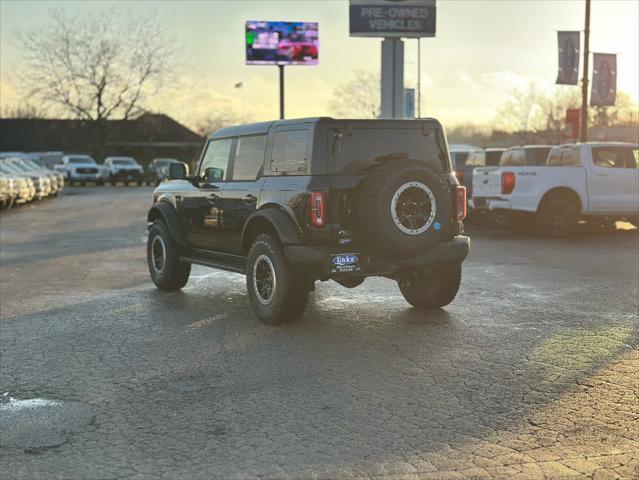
(460, 175)
(507, 183)
(317, 208)
(461, 203)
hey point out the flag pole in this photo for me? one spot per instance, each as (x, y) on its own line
(584, 82)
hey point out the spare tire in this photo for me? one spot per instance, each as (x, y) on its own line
(404, 208)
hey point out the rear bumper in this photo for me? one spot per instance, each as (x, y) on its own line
(316, 261)
(489, 204)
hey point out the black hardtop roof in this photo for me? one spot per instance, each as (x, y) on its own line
(263, 127)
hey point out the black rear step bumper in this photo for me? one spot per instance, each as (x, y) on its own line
(316, 261)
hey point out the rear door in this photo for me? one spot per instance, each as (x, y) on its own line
(202, 205)
(613, 180)
(241, 193)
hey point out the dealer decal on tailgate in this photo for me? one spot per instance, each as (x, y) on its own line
(345, 263)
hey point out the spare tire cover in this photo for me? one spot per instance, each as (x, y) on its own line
(404, 208)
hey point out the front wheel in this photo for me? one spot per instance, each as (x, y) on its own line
(434, 290)
(277, 293)
(167, 271)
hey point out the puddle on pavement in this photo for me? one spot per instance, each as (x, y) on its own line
(36, 424)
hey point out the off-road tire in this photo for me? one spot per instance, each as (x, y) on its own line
(375, 208)
(434, 290)
(174, 274)
(557, 217)
(289, 296)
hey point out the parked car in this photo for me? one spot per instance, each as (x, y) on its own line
(158, 170)
(55, 178)
(80, 168)
(596, 181)
(459, 153)
(291, 202)
(7, 196)
(41, 183)
(124, 169)
(478, 158)
(32, 161)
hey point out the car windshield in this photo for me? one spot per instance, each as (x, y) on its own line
(81, 159)
(123, 161)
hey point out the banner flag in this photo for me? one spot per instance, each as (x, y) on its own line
(568, 58)
(604, 79)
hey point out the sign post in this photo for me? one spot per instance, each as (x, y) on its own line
(393, 20)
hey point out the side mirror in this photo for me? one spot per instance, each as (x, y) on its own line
(178, 171)
(213, 174)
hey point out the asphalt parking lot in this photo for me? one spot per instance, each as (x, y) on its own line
(533, 371)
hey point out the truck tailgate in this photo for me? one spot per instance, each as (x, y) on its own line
(486, 182)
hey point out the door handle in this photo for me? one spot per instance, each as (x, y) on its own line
(250, 198)
(213, 198)
(601, 174)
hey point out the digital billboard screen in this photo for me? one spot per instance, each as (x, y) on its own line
(282, 43)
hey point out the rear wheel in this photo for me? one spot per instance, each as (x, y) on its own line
(558, 217)
(278, 294)
(167, 271)
(434, 290)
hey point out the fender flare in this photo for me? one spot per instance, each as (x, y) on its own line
(166, 212)
(283, 226)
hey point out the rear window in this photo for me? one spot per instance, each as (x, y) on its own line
(539, 155)
(493, 158)
(476, 159)
(616, 157)
(364, 147)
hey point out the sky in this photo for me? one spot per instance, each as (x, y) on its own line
(482, 50)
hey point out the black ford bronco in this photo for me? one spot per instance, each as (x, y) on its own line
(294, 201)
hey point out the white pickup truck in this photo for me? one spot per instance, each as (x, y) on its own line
(591, 181)
(80, 168)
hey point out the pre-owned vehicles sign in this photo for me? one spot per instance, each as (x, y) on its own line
(392, 18)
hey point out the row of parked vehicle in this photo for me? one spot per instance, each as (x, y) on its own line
(551, 188)
(81, 169)
(22, 180)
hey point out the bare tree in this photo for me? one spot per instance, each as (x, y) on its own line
(521, 113)
(624, 112)
(224, 117)
(553, 107)
(24, 110)
(95, 67)
(359, 97)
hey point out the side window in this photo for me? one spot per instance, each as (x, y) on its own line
(249, 157)
(569, 157)
(614, 157)
(215, 161)
(290, 151)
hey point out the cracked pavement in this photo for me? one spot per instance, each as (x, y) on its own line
(532, 372)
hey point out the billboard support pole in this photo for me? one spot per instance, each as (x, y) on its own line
(281, 68)
(419, 78)
(583, 137)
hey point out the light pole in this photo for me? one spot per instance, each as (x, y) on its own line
(584, 82)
